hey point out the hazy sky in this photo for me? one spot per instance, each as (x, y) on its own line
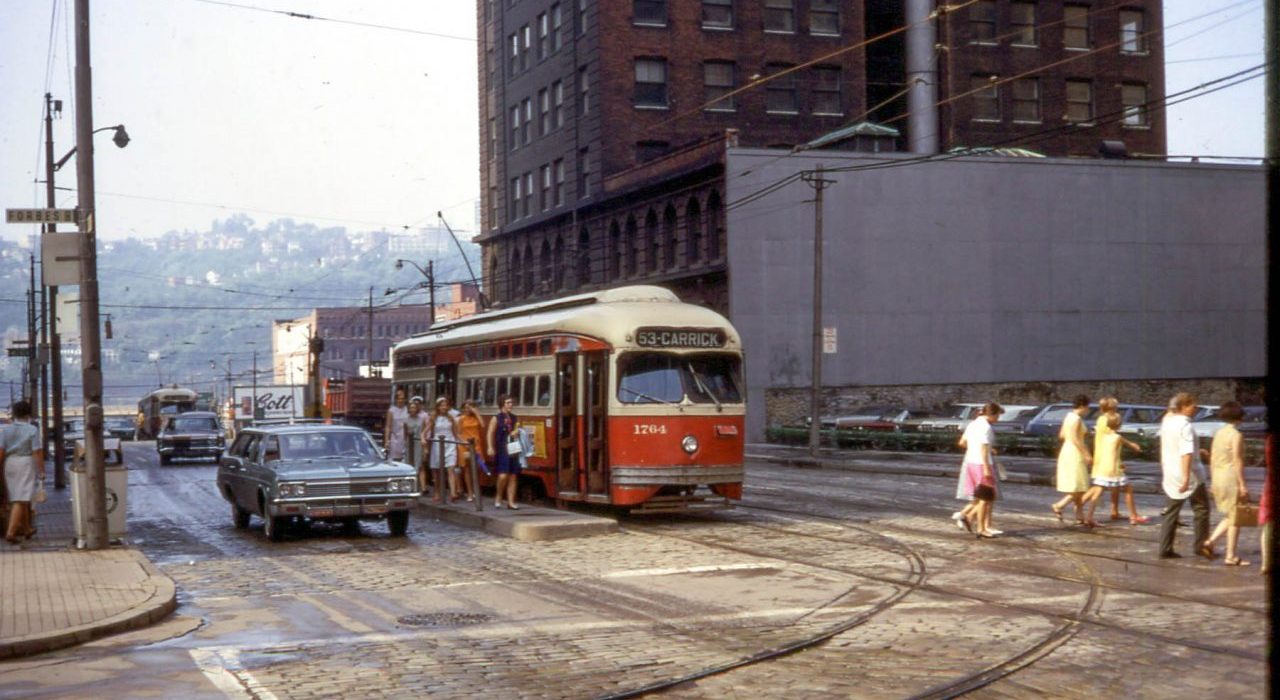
(236, 110)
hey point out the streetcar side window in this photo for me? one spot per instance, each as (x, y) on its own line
(528, 390)
(544, 390)
(515, 390)
(489, 398)
(502, 386)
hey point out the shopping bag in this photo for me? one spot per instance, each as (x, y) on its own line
(41, 497)
(1245, 514)
(514, 447)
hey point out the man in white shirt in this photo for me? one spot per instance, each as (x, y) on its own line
(1184, 477)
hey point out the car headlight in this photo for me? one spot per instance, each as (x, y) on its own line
(689, 444)
(297, 489)
(393, 486)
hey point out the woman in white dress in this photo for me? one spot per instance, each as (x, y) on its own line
(23, 458)
(443, 454)
(393, 427)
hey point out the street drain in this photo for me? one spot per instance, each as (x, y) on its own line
(444, 619)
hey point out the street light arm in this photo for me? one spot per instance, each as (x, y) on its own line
(121, 139)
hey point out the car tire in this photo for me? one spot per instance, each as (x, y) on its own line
(398, 523)
(165, 460)
(239, 516)
(351, 526)
(273, 527)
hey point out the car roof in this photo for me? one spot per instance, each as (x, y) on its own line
(197, 414)
(286, 429)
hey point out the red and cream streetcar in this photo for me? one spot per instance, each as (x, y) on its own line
(633, 398)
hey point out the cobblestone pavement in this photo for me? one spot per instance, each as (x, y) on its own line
(861, 575)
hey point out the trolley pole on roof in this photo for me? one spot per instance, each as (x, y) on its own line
(818, 183)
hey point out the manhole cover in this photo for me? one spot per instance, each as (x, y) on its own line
(443, 619)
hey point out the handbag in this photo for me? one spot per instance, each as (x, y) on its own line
(41, 497)
(1245, 514)
(514, 446)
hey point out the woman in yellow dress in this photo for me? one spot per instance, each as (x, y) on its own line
(1073, 459)
(1226, 462)
(1108, 469)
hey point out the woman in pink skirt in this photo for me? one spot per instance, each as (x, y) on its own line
(979, 471)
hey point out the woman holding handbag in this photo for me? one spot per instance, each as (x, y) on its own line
(23, 457)
(1226, 462)
(443, 455)
(505, 447)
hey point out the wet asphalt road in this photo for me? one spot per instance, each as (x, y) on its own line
(864, 571)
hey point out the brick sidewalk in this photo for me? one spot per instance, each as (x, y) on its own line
(56, 596)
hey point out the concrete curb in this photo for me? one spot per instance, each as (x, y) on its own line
(529, 524)
(161, 602)
(940, 472)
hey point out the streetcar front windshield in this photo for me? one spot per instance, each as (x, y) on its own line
(658, 378)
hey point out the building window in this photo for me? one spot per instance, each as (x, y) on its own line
(1079, 101)
(1133, 97)
(493, 137)
(557, 28)
(527, 123)
(544, 112)
(515, 199)
(582, 17)
(584, 91)
(693, 228)
(780, 16)
(986, 98)
(545, 176)
(982, 22)
(717, 14)
(615, 252)
(584, 173)
(514, 66)
(528, 193)
(824, 17)
(826, 90)
(780, 92)
(651, 82)
(653, 244)
(526, 41)
(1022, 19)
(515, 127)
(584, 257)
(1075, 27)
(1026, 100)
(557, 92)
(717, 86)
(544, 35)
(631, 245)
(558, 171)
(669, 239)
(494, 203)
(650, 12)
(1133, 37)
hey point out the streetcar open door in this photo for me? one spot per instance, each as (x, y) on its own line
(446, 384)
(581, 404)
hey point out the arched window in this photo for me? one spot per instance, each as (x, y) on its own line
(669, 237)
(652, 243)
(715, 227)
(530, 266)
(514, 285)
(584, 257)
(544, 268)
(557, 264)
(615, 252)
(632, 244)
(490, 280)
(693, 224)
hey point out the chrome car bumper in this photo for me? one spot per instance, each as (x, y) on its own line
(327, 507)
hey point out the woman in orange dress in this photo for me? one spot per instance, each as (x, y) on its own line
(470, 430)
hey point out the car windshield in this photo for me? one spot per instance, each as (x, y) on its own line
(1145, 415)
(326, 444)
(74, 426)
(187, 424)
(118, 422)
(654, 377)
(961, 412)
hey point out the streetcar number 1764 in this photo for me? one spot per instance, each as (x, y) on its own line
(651, 429)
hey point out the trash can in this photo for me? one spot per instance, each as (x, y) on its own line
(117, 478)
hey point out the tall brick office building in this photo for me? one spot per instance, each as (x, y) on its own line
(604, 123)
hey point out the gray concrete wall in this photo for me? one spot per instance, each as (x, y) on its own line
(989, 270)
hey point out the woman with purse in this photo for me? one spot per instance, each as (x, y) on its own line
(23, 457)
(505, 447)
(1226, 463)
(979, 472)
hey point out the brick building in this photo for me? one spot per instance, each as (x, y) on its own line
(604, 124)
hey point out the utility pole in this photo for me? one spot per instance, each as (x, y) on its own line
(1272, 52)
(431, 291)
(369, 350)
(91, 355)
(51, 319)
(32, 388)
(253, 410)
(818, 183)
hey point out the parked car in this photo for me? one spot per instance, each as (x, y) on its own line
(119, 427)
(73, 441)
(882, 418)
(192, 434)
(1048, 422)
(959, 415)
(314, 472)
(1143, 421)
(1015, 418)
(1254, 424)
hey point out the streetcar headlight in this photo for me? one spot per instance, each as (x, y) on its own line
(689, 444)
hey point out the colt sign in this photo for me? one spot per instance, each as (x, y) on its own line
(280, 401)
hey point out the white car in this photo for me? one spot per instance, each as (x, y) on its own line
(1253, 425)
(959, 415)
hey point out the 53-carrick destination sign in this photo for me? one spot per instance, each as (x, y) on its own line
(680, 338)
